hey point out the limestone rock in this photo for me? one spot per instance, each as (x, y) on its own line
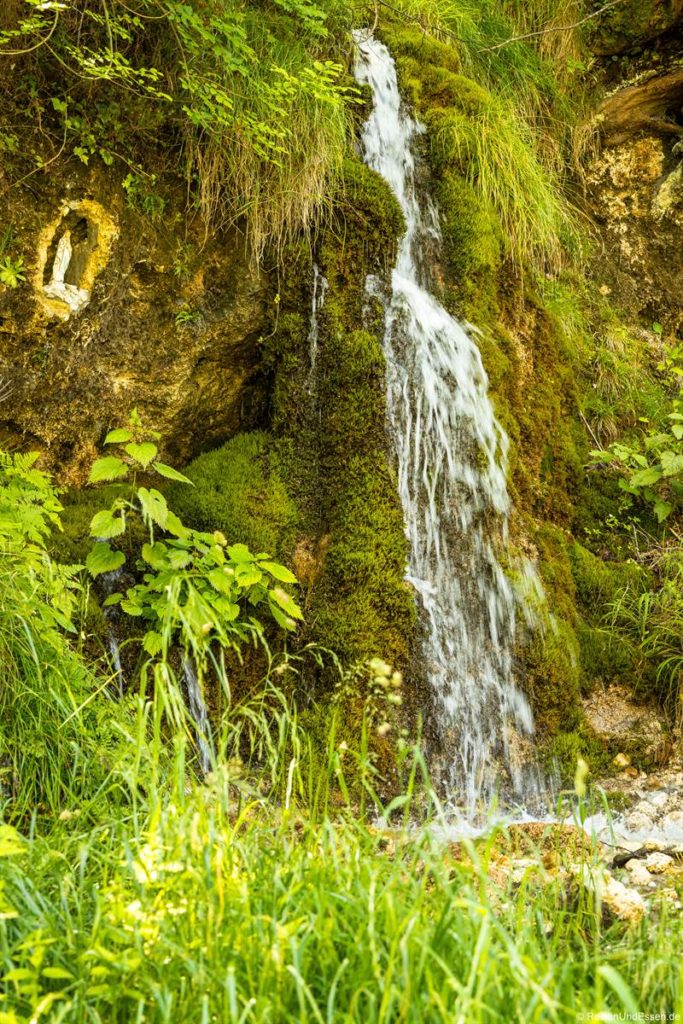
(119, 311)
(638, 873)
(617, 899)
(658, 863)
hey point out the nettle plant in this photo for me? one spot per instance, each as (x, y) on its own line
(651, 464)
(196, 589)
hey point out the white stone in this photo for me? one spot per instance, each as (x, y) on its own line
(638, 873)
(658, 863)
(636, 821)
(672, 825)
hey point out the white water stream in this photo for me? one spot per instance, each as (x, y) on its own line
(451, 455)
(199, 713)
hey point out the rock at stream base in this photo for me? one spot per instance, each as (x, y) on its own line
(620, 902)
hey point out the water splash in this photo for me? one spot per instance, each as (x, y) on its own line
(451, 454)
(199, 713)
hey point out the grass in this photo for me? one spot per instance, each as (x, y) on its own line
(236, 901)
(131, 889)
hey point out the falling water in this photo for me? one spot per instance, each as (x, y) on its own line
(200, 716)
(451, 455)
(320, 286)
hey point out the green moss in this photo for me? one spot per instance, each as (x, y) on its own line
(600, 583)
(71, 545)
(238, 489)
(331, 432)
(553, 677)
(563, 751)
(472, 245)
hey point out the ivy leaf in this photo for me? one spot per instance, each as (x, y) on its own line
(154, 506)
(279, 572)
(118, 436)
(153, 643)
(105, 525)
(108, 468)
(102, 558)
(171, 474)
(143, 452)
(286, 602)
(672, 463)
(645, 477)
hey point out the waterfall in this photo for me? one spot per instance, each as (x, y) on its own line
(199, 713)
(320, 286)
(451, 456)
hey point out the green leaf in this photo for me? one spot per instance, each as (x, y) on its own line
(672, 463)
(131, 607)
(155, 555)
(153, 643)
(247, 574)
(118, 436)
(677, 431)
(179, 559)
(175, 526)
(279, 572)
(102, 558)
(240, 553)
(286, 602)
(153, 506)
(662, 510)
(281, 619)
(11, 842)
(222, 582)
(112, 600)
(105, 525)
(171, 474)
(108, 468)
(143, 452)
(644, 477)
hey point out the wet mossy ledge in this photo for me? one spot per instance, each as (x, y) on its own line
(544, 336)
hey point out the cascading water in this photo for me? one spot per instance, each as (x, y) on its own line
(320, 286)
(200, 715)
(451, 455)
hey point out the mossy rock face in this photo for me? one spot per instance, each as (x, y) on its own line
(238, 489)
(330, 429)
(631, 25)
